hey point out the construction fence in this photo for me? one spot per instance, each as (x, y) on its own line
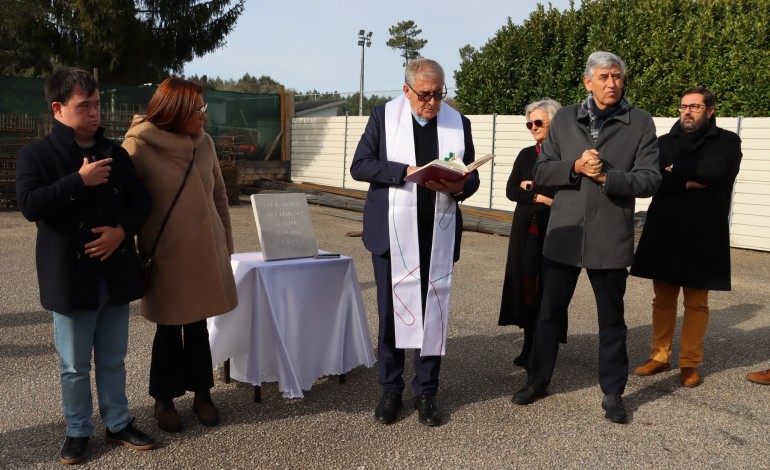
(245, 127)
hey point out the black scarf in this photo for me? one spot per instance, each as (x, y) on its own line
(690, 141)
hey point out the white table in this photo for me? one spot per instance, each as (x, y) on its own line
(296, 320)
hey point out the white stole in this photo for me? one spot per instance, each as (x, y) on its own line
(411, 331)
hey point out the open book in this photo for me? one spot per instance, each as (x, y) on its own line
(451, 170)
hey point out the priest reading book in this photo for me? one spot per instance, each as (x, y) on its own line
(450, 170)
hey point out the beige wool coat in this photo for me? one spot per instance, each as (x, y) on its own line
(191, 274)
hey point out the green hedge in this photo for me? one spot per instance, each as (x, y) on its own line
(668, 45)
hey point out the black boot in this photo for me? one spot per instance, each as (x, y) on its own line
(529, 338)
(526, 349)
(167, 416)
(204, 408)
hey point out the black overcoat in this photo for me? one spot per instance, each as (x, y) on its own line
(686, 235)
(51, 193)
(512, 311)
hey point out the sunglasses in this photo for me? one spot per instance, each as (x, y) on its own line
(426, 97)
(535, 123)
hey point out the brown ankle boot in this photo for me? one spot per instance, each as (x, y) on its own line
(651, 367)
(204, 409)
(689, 377)
(762, 377)
(167, 417)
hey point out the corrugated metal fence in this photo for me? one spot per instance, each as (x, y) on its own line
(322, 149)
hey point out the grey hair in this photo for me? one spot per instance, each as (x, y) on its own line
(548, 105)
(423, 67)
(603, 60)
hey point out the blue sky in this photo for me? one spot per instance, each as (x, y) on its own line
(312, 44)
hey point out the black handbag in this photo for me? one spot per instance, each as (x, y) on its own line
(147, 259)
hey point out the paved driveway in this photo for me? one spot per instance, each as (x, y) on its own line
(724, 423)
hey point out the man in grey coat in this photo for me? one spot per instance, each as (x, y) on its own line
(601, 154)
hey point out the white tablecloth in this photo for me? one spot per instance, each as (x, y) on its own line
(296, 320)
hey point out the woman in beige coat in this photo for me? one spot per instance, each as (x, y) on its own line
(191, 278)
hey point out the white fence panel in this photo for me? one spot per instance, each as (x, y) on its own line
(750, 222)
(511, 135)
(317, 150)
(356, 126)
(483, 127)
(323, 148)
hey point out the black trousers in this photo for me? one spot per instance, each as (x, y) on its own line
(181, 360)
(391, 359)
(609, 286)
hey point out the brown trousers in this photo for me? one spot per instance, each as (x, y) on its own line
(694, 324)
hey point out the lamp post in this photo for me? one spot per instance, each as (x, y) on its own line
(364, 40)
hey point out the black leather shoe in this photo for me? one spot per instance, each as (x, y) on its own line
(613, 408)
(131, 437)
(73, 450)
(528, 394)
(388, 407)
(427, 411)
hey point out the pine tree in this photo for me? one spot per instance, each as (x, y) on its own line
(404, 38)
(133, 42)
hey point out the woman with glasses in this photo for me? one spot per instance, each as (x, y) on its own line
(189, 240)
(521, 288)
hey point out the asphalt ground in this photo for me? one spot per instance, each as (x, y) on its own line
(724, 423)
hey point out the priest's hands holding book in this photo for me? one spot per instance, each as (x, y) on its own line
(442, 185)
(444, 175)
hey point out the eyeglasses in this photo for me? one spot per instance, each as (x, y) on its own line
(202, 109)
(536, 123)
(696, 108)
(425, 97)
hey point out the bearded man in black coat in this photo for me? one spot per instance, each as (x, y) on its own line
(685, 244)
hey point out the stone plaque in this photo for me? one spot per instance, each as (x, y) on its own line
(284, 226)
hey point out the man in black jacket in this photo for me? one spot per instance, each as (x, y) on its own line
(685, 244)
(88, 203)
